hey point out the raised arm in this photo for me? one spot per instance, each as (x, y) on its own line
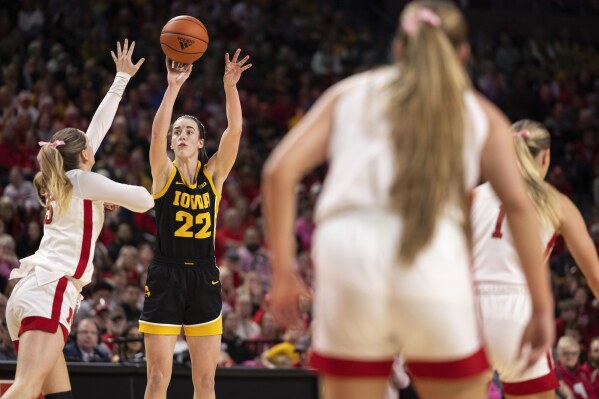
(578, 241)
(160, 164)
(222, 161)
(97, 187)
(500, 167)
(125, 69)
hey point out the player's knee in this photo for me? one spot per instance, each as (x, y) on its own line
(204, 381)
(158, 379)
(59, 395)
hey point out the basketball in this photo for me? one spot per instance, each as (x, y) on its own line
(184, 39)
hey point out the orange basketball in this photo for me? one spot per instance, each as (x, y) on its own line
(184, 39)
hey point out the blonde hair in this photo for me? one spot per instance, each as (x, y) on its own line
(530, 139)
(51, 182)
(566, 342)
(427, 112)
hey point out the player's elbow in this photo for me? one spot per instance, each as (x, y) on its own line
(234, 129)
(146, 201)
(271, 173)
(279, 170)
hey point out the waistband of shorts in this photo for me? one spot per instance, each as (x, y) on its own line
(490, 288)
(169, 261)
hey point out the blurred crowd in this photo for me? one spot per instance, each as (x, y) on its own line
(56, 68)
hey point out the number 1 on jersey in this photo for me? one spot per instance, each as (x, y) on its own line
(497, 233)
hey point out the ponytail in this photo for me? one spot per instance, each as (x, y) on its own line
(56, 158)
(51, 182)
(530, 138)
(427, 112)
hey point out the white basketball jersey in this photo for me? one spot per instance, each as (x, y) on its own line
(361, 160)
(69, 241)
(495, 257)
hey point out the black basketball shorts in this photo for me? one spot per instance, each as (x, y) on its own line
(182, 293)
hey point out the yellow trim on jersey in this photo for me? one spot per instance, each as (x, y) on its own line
(167, 185)
(214, 327)
(209, 177)
(194, 185)
(218, 196)
(158, 329)
(214, 218)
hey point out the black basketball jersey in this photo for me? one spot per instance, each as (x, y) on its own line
(186, 216)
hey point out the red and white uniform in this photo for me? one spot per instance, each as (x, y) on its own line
(367, 306)
(503, 295)
(53, 277)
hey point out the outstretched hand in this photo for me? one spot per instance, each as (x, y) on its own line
(177, 73)
(122, 59)
(234, 69)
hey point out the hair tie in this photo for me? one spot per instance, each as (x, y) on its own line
(54, 144)
(522, 133)
(424, 15)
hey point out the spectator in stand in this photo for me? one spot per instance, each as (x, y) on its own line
(7, 347)
(285, 354)
(252, 286)
(21, 191)
(227, 289)
(231, 262)
(253, 257)
(269, 329)
(101, 294)
(262, 309)
(118, 279)
(87, 346)
(567, 315)
(102, 262)
(246, 326)
(130, 301)
(571, 372)
(245, 209)
(133, 349)
(12, 223)
(8, 259)
(507, 55)
(101, 313)
(230, 235)
(591, 367)
(146, 254)
(231, 342)
(137, 168)
(557, 178)
(128, 260)
(30, 241)
(124, 236)
(114, 328)
(587, 318)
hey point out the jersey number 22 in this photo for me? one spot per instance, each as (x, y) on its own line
(200, 219)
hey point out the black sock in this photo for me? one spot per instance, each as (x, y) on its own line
(59, 395)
